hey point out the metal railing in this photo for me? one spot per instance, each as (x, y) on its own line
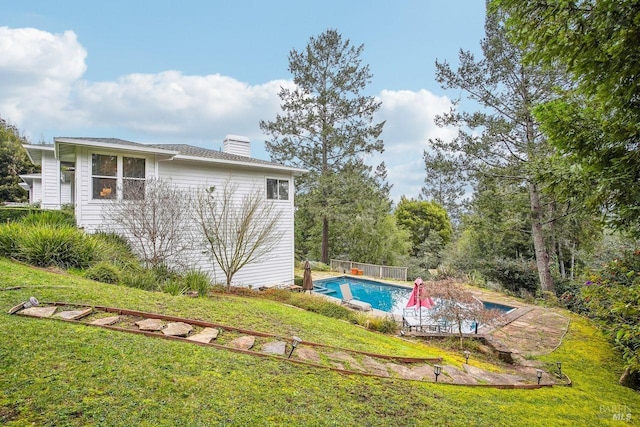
(371, 270)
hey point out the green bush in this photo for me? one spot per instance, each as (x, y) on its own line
(319, 305)
(514, 275)
(62, 218)
(611, 296)
(14, 214)
(59, 246)
(10, 239)
(104, 272)
(174, 287)
(196, 280)
(116, 250)
(140, 279)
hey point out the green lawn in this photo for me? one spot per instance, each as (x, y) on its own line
(56, 373)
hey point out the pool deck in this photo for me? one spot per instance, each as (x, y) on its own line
(529, 330)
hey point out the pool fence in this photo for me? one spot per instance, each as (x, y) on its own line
(371, 270)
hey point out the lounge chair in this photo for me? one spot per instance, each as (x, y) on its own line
(347, 299)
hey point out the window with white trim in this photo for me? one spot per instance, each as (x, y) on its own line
(110, 174)
(277, 189)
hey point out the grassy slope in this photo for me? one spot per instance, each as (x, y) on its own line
(54, 373)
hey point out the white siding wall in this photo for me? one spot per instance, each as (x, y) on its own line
(277, 267)
(50, 198)
(89, 212)
(35, 194)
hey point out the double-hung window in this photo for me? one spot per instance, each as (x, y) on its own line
(277, 189)
(111, 175)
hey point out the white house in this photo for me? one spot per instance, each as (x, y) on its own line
(90, 173)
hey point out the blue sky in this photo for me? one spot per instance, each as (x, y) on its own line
(193, 71)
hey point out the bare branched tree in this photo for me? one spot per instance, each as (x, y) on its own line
(238, 230)
(457, 305)
(152, 215)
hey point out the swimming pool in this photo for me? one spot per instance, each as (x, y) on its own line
(381, 296)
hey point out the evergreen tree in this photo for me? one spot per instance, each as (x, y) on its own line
(327, 123)
(596, 124)
(503, 139)
(13, 163)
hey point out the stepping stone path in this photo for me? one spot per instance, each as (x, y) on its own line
(307, 354)
(243, 343)
(205, 336)
(177, 329)
(38, 311)
(352, 364)
(106, 321)
(374, 367)
(275, 347)
(409, 373)
(530, 330)
(457, 376)
(74, 314)
(150, 325)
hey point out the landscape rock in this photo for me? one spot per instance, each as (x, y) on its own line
(177, 329)
(38, 311)
(150, 325)
(74, 314)
(374, 367)
(306, 353)
(243, 343)
(205, 336)
(274, 347)
(105, 321)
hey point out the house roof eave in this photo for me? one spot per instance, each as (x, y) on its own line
(261, 166)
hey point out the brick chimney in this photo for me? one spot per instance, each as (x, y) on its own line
(238, 145)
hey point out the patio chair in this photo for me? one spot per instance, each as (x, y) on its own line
(347, 299)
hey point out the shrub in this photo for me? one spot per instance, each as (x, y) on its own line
(196, 280)
(513, 275)
(59, 246)
(14, 214)
(104, 272)
(174, 287)
(62, 218)
(116, 250)
(9, 239)
(611, 296)
(140, 279)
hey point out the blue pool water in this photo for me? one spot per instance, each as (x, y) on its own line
(381, 296)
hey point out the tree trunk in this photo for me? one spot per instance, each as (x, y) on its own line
(563, 272)
(325, 240)
(542, 257)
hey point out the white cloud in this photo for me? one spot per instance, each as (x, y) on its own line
(37, 72)
(409, 125)
(42, 90)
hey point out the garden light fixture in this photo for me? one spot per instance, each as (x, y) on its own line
(466, 356)
(539, 374)
(294, 344)
(33, 302)
(437, 369)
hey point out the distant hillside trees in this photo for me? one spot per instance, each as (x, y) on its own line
(13, 163)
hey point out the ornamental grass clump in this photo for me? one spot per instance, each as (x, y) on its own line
(59, 246)
(197, 281)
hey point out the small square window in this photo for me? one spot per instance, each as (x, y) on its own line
(277, 189)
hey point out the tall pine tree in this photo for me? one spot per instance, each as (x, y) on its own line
(327, 123)
(503, 138)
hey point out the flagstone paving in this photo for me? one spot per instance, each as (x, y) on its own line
(205, 336)
(177, 329)
(74, 314)
(529, 330)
